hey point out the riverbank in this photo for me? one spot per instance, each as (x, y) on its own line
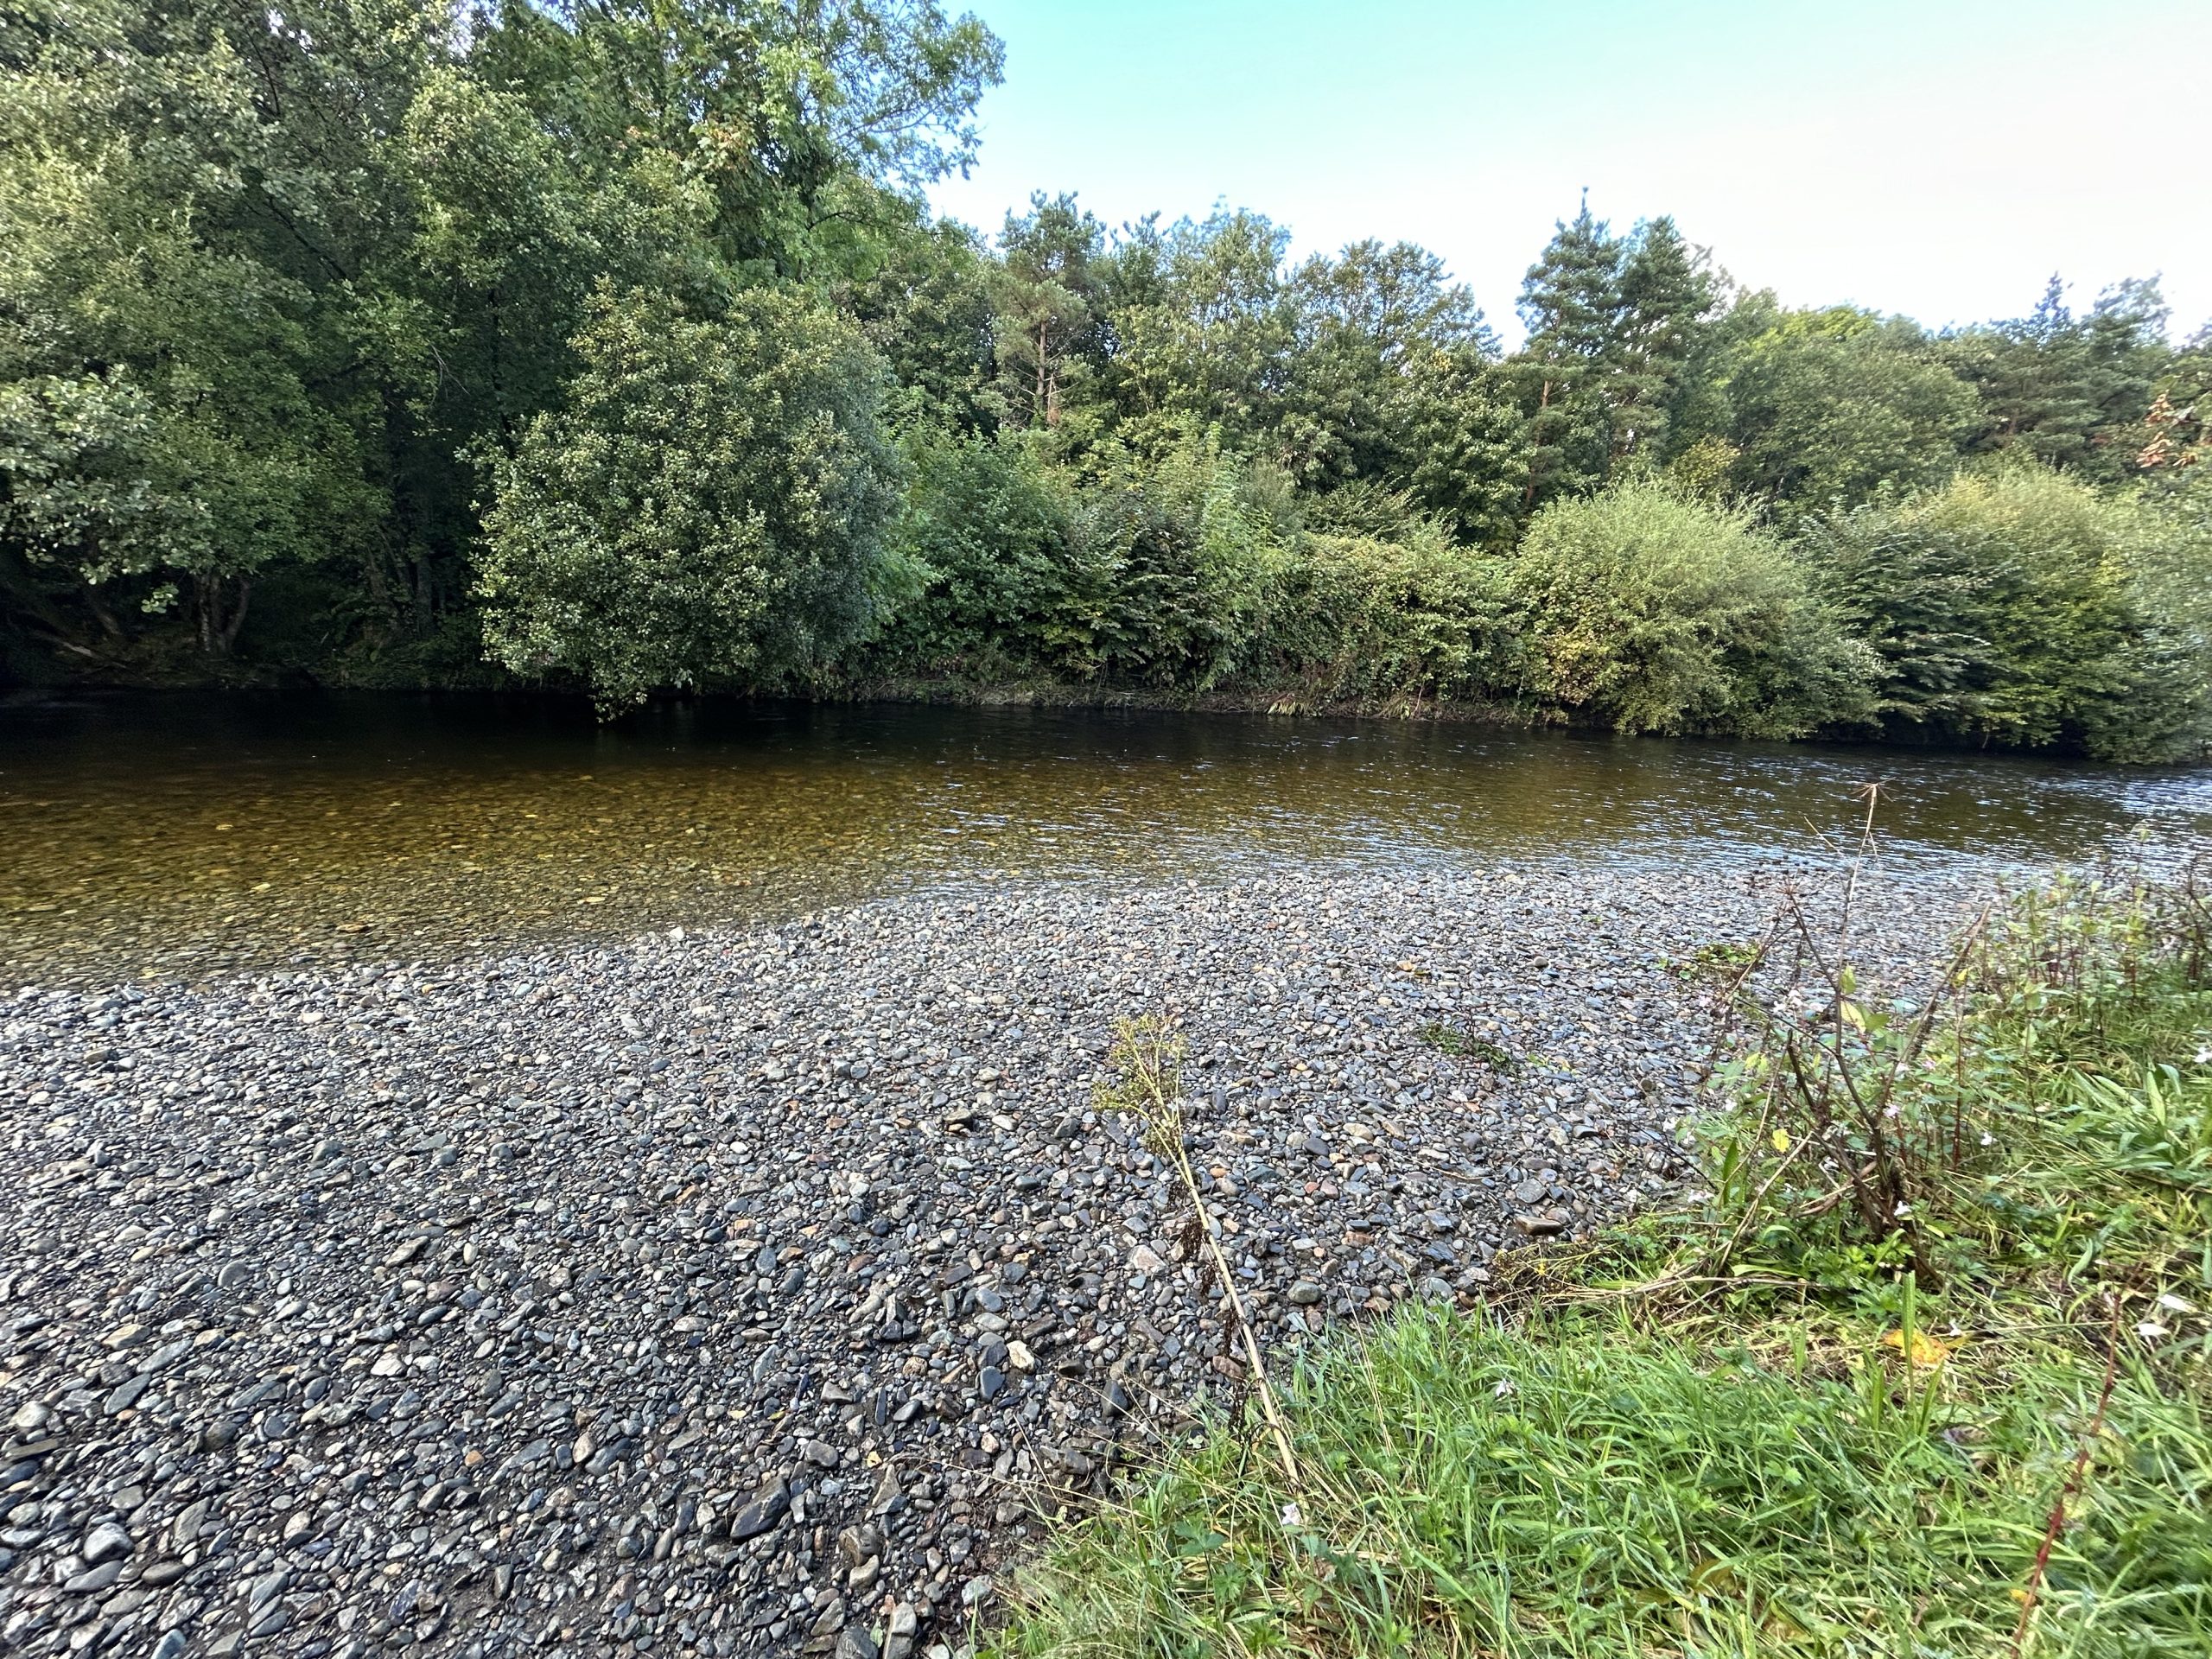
(1917, 1361)
(745, 1288)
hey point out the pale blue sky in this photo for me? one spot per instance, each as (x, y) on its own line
(1939, 158)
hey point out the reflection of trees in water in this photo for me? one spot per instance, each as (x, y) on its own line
(189, 832)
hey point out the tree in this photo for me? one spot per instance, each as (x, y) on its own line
(707, 506)
(1369, 325)
(1667, 296)
(2066, 391)
(1202, 328)
(1469, 466)
(2024, 608)
(1049, 335)
(187, 357)
(1831, 407)
(272, 279)
(927, 307)
(1571, 304)
(800, 120)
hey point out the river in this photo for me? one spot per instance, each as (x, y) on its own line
(182, 836)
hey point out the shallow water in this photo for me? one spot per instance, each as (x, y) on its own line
(182, 834)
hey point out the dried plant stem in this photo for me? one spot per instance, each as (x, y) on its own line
(1147, 1054)
(2067, 1492)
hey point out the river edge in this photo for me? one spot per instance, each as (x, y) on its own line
(752, 1286)
(924, 691)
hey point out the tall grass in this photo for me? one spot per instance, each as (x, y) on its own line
(1923, 1370)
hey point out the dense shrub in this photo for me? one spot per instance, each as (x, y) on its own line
(1647, 611)
(709, 504)
(1365, 618)
(985, 529)
(2023, 607)
(1150, 573)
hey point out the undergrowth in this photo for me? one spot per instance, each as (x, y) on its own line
(1920, 1369)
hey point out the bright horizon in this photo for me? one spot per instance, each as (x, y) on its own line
(1941, 160)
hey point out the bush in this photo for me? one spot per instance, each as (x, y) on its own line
(1153, 572)
(986, 530)
(1647, 611)
(707, 506)
(2024, 608)
(1191, 559)
(1365, 618)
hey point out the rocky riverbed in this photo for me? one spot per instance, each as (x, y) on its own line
(760, 1290)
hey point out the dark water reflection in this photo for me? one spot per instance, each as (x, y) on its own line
(184, 834)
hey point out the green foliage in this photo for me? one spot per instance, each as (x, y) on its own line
(1047, 288)
(1568, 1493)
(987, 529)
(1648, 611)
(1203, 324)
(2024, 608)
(1378, 331)
(1826, 407)
(1405, 619)
(267, 279)
(2068, 390)
(1924, 1374)
(277, 288)
(1187, 559)
(1467, 464)
(708, 505)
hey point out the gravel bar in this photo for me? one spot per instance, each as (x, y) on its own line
(758, 1291)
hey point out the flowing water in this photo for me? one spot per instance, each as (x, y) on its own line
(184, 835)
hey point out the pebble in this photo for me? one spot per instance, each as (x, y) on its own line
(714, 1292)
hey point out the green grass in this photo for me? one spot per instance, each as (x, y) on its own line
(1557, 1491)
(1702, 1433)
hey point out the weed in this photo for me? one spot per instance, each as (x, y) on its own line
(1925, 1372)
(1721, 959)
(1463, 1045)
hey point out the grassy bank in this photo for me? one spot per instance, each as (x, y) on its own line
(1920, 1369)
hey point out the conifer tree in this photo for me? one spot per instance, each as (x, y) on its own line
(1666, 297)
(1048, 298)
(2070, 389)
(1571, 303)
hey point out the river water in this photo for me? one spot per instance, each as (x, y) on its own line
(185, 834)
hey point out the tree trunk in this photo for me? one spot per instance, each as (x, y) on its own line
(237, 617)
(103, 616)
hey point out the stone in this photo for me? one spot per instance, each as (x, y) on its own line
(93, 1579)
(105, 1543)
(674, 1301)
(763, 1513)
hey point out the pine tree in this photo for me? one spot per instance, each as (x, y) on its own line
(1666, 297)
(1047, 295)
(2071, 390)
(1571, 303)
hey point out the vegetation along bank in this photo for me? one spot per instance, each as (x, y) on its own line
(612, 349)
(1916, 1362)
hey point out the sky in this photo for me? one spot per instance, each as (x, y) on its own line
(1942, 159)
